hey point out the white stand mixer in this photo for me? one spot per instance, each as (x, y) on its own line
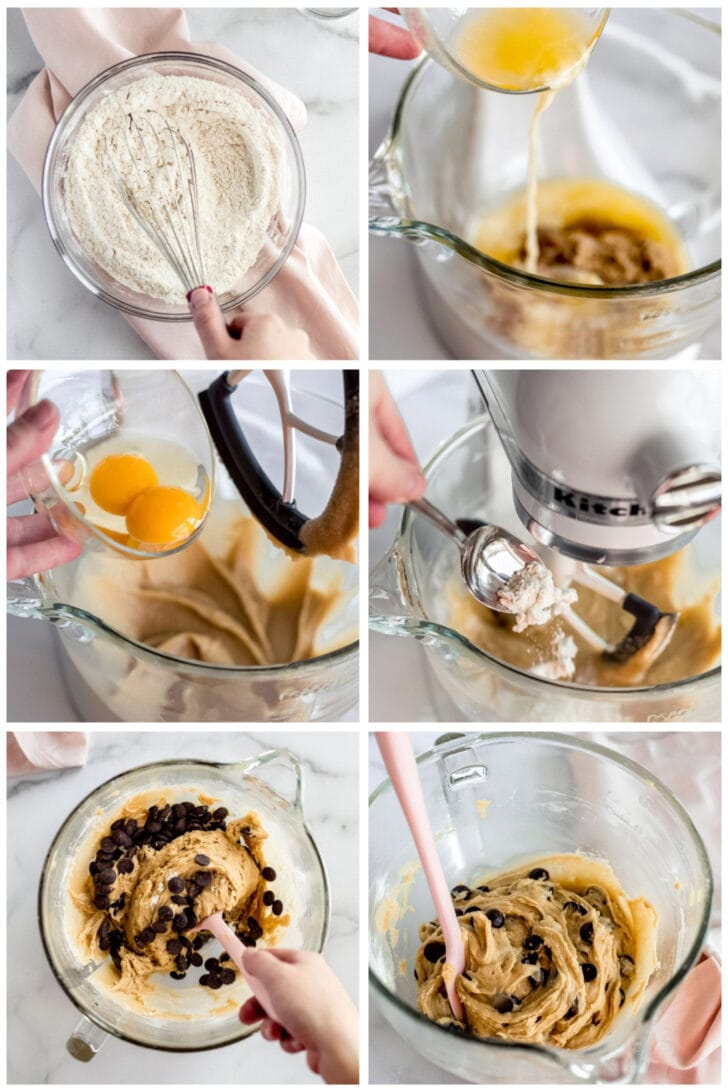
(613, 467)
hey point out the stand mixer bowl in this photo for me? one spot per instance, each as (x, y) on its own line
(546, 794)
(470, 474)
(97, 659)
(298, 863)
(455, 152)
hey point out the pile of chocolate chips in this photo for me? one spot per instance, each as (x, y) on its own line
(116, 854)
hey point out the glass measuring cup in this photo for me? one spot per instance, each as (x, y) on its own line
(546, 793)
(270, 784)
(96, 406)
(470, 474)
(450, 36)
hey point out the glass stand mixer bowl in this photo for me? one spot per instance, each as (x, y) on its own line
(97, 659)
(546, 794)
(470, 476)
(455, 152)
(242, 787)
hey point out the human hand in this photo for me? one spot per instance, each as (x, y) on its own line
(33, 543)
(314, 1010)
(390, 40)
(262, 337)
(394, 472)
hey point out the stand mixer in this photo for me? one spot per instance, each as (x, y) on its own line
(612, 468)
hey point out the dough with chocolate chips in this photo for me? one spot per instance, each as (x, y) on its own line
(553, 950)
(224, 865)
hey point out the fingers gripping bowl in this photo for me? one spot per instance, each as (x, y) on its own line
(283, 225)
(188, 1017)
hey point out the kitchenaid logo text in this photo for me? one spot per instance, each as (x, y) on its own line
(597, 506)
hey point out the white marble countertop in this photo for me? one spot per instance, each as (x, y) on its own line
(40, 1016)
(668, 756)
(399, 326)
(52, 316)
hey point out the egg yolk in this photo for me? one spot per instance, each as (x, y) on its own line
(163, 515)
(118, 480)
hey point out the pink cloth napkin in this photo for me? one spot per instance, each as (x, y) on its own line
(686, 1040)
(76, 44)
(29, 752)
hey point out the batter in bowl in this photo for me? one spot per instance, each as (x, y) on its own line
(553, 951)
(237, 164)
(158, 869)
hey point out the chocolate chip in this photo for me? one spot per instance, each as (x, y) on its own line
(101, 902)
(473, 910)
(166, 913)
(174, 946)
(106, 877)
(223, 957)
(269, 873)
(538, 874)
(198, 943)
(204, 979)
(125, 865)
(176, 885)
(159, 927)
(547, 951)
(177, 975)
(248, 942)
(483, 887)
(108, 845)
(215, 982)
(459, 890)
(434, 950)
(254, 928)
(268, 898)
(576, 907)
(212, 964)
(201, 859)
(227, 976)
(589, 971)
(131, 826)
(193, 890)
(196, 959)
(277, 907)
(587, 932)
(503, 1005)
(202, 879)
(147, 935)
(179, 900)
(153, 826)
(532, 943)
(181, 962)
(532, 958)
(180, 922)
(496, 919)
(459, 913)
(220, 813)
(191, 919)
(572, 1011)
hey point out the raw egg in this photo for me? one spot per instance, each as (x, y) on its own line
(119, 479)
(162, 516)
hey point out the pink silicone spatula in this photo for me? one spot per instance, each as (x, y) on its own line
(399, 758)
(222, 932)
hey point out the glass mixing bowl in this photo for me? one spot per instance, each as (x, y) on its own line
(547, 794)
(96, 406)
(301, 880)
(470, 477)
(97, 659)
(645, 114)
(437, 30)
(282, 230)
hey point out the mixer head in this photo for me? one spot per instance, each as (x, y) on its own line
(615, 467)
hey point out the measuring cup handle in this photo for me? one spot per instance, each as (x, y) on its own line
(290, 762)
(85, 1041)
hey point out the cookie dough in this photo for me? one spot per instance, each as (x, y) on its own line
(671, 584)
(157, 871)
(553, 951)
(229, 598)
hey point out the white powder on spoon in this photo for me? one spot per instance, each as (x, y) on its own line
(237, 161)
(533, 597)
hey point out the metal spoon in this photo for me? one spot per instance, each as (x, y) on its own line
(489, 555)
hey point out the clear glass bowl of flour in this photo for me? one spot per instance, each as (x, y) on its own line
(284, 223)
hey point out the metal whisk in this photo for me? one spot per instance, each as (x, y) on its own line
(154, 170)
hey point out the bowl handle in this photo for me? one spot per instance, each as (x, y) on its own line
(26, 599)
(288, 761)
(85, 1041)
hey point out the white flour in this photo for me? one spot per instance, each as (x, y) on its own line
(533, 597)
(562, 665)
(237, 160)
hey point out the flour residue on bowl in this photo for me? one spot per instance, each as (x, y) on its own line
(237, 165)
(395, 903)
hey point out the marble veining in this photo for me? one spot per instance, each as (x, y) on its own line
(50, 314)
(40, 1016)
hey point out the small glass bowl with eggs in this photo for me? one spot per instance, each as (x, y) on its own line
(131, 467)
